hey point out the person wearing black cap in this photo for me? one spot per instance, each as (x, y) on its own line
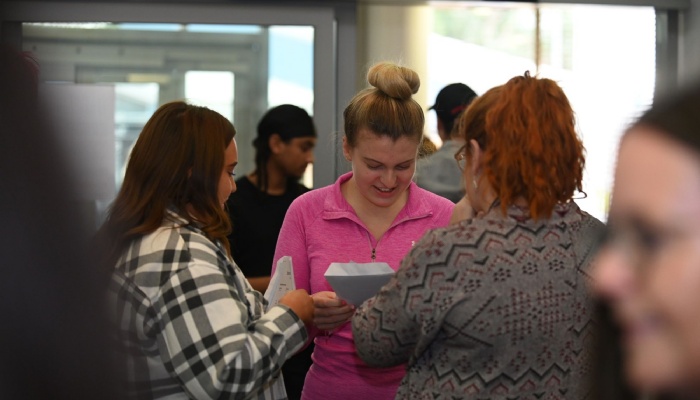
(439, 172)
(283, 149)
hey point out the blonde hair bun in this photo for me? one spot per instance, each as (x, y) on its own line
(393, 80)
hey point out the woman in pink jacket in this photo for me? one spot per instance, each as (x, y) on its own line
(373, 214)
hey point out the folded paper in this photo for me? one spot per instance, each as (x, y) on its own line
(357, 282)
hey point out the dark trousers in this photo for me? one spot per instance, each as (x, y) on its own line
(294, 372)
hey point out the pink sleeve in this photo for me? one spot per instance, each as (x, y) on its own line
(292, 242)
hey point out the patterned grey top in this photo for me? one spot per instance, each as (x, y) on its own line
(494, 307)
(191, 325)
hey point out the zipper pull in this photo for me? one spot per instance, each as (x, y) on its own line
(374, 254)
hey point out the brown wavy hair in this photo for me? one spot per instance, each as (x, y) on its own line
(387, 108)
(526, 129)
(176, 164)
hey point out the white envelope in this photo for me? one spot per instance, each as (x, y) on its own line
(357, 282)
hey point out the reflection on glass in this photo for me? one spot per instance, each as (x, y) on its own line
(237, 70)
(292, 73)
(134, 103)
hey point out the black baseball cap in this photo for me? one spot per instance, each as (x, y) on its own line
(452, 100)
(286, 120)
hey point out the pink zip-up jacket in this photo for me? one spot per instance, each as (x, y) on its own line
(320, 228)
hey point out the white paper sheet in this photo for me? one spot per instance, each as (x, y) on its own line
(281, 282)
(357, 282)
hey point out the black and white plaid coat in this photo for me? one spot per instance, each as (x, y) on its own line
(190, 324)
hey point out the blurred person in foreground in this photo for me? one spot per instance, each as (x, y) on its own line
(437, 171)
(283, 149)
(648, 271)
(496, 306)
(54, 335)
(190, 324)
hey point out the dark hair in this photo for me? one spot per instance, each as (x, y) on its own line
(606, 378)
(176, 162)
(677, 116)
(289, 122)
(449, 125)
(450, 102)
(387, 108)
(527, 131)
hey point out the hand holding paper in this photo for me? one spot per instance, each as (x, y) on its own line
(281, 282)
(301, 303)
(357, 282)
(282, 290)
(330, 312)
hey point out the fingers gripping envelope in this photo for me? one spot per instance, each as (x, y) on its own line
(357, 282)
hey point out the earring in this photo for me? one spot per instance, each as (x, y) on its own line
(474, 184)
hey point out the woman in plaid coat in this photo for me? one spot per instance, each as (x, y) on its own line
(189, 324)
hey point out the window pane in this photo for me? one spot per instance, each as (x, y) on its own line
(291, 66)
(481, 46)
(608, 72)
(237, 70)
(134, 105)
(212, 89)
(292, 73)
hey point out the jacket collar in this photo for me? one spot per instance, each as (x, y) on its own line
(335, 206)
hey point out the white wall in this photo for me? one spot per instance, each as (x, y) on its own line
(395, 33)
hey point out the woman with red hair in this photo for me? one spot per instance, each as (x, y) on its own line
(495, 306)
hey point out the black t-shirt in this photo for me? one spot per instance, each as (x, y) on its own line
(257, 218)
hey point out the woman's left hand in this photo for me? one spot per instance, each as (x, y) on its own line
(330, 312)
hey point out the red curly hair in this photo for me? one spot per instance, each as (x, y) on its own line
(526, 130)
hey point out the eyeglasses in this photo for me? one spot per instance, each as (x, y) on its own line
(639, 242)
(461, 157)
